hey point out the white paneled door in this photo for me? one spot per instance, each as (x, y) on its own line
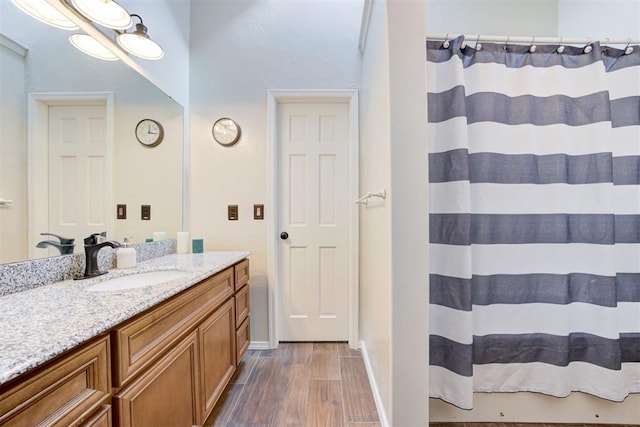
(313, 177)
(79, 172)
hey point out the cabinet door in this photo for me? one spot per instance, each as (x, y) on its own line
(102, 418)
(217, 354)
(165, 395)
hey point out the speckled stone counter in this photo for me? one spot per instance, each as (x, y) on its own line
(39, 324)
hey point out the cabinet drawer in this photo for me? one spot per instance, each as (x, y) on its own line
(63, 393)
(243, 339)
(141, 340)
(242, 273)
(242, 305)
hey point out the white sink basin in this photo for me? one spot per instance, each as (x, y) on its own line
(138, 280)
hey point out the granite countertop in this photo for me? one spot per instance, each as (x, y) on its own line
(41, 323)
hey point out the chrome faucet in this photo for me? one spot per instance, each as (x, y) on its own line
(91, 249)
(65, 244)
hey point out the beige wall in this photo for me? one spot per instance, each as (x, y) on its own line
(375, 221)
(239, 50)
(394, 258)
(409, 214)
(493, 17)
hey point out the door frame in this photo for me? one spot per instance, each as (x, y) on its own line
(38, 153)
(274, 98)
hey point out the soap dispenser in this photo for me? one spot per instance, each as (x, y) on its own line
(126, 256)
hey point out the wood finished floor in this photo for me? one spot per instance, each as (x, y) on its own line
(298, 384)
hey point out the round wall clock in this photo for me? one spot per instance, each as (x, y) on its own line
(149, 132)
(226, 132)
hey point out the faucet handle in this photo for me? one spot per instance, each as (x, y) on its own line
(63, 240)
(92, 239)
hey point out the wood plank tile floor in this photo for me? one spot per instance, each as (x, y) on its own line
(298, 384)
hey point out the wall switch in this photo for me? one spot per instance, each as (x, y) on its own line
(145, 212)
(232, 212)
(258, 211)
(121, 211)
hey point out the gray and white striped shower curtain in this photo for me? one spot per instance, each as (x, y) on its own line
(534, 187)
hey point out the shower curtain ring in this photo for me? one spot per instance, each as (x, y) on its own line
(588, 48)
(445, 42)
(628, 49)
(478, 44)
(506, 44)
(560, 48)
(532, 46)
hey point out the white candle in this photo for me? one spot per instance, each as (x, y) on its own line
(159, 235)
(183, 242)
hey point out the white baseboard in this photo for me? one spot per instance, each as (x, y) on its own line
(259, 345)
(384, 422)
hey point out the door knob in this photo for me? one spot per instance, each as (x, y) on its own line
(284, 235)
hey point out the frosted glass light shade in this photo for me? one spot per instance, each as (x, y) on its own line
(92, 47)
(44, 12)
(104, 12)
(139, 44)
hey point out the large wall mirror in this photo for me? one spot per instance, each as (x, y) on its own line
(68, 149)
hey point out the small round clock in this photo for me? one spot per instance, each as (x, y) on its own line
(149, 132)
(226, 132)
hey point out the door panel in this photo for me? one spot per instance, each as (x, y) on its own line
(313, 180)
(79, 172)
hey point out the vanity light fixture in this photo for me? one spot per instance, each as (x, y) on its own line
(139, 44)
(44, 12)
(107, 13)
(92, 47)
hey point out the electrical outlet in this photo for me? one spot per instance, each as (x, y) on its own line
(258, 211)
(232, 212)
(145, 212)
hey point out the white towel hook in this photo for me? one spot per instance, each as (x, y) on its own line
(364, 200)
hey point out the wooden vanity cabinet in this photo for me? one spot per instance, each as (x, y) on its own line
(168, 365)
(173, 362)
(69, 391)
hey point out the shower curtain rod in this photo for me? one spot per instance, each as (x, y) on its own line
(532, 39)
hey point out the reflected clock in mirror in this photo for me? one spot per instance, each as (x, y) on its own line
(149, 132)
(226, 131)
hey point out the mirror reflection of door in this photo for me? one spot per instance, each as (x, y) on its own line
(13, 152)
(79, 173)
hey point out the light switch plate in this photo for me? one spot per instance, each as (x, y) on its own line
(145, 212)
(258, 211)
(232, 212)
(121, 211)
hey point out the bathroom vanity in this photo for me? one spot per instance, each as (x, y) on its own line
(149, 356)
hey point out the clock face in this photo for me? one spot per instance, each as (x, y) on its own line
(226, 132)
(149, 132)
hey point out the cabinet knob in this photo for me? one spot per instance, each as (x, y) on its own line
(284, 235)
